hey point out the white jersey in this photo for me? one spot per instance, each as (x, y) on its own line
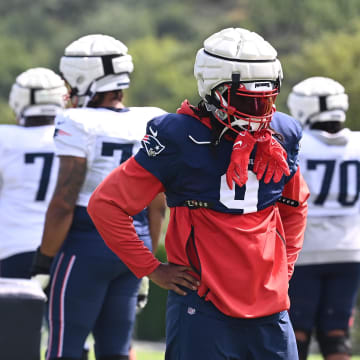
(103, 136)
(330, 164)
(28, 173)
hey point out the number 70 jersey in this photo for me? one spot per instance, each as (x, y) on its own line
(332, 172)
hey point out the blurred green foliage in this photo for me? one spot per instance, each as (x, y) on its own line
(312, 38)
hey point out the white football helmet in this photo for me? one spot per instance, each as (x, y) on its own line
(37, 92)
(96, 63)
(239, 76)
(318, 99)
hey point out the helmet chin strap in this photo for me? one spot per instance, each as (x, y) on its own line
(214, 111)
(217, 113)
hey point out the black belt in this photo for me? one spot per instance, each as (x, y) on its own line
(196, 204)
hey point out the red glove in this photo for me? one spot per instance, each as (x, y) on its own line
(238, 167)
(270, 157)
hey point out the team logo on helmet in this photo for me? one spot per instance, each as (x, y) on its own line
(151, 144)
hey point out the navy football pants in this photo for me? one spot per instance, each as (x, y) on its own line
(196, 330)
(17, 266)
(90, 294)
(91, 291)
(323, 296)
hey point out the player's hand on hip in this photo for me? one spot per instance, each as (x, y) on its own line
(270, 158)
(40, 269)
(238, 167)
(170, 276)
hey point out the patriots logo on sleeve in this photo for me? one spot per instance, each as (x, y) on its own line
(151, 144)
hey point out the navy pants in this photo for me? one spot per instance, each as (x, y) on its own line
(91, 291)
(17, 266)
(323, 296)
(196, 330)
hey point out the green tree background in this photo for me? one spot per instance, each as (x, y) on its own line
(312, 38)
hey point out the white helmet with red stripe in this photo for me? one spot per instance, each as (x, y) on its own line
(238, 75)
(96, 63)
(37, 92)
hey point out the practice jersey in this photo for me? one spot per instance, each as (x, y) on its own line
(177, 151)
(330, 164)
(106, 138)
(28, 172)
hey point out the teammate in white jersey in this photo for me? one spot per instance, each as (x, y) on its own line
(28, 168)
(326, 280)
(91, 290)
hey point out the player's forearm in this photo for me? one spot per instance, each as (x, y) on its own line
(156, 216)
(61, 208)
(57, 224)
(294, 223)
(117, 230)
(294, 218)
(125, 192)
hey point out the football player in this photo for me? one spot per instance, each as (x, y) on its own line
(91, 290)
(237, 207)
(28, 168)
(326, 280)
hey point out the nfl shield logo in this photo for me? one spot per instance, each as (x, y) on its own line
(191, 310)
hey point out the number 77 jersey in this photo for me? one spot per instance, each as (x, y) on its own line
(330, 165)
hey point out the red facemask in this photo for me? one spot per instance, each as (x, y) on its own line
(250, 107)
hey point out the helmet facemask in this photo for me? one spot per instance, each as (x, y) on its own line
(244, 106)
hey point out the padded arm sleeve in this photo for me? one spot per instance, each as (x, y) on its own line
(125, 192)
(294, 218)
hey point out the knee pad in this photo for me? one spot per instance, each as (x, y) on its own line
(114, 357)
(303, 346)
(330, 345)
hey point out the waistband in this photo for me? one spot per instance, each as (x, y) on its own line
(196, 303)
